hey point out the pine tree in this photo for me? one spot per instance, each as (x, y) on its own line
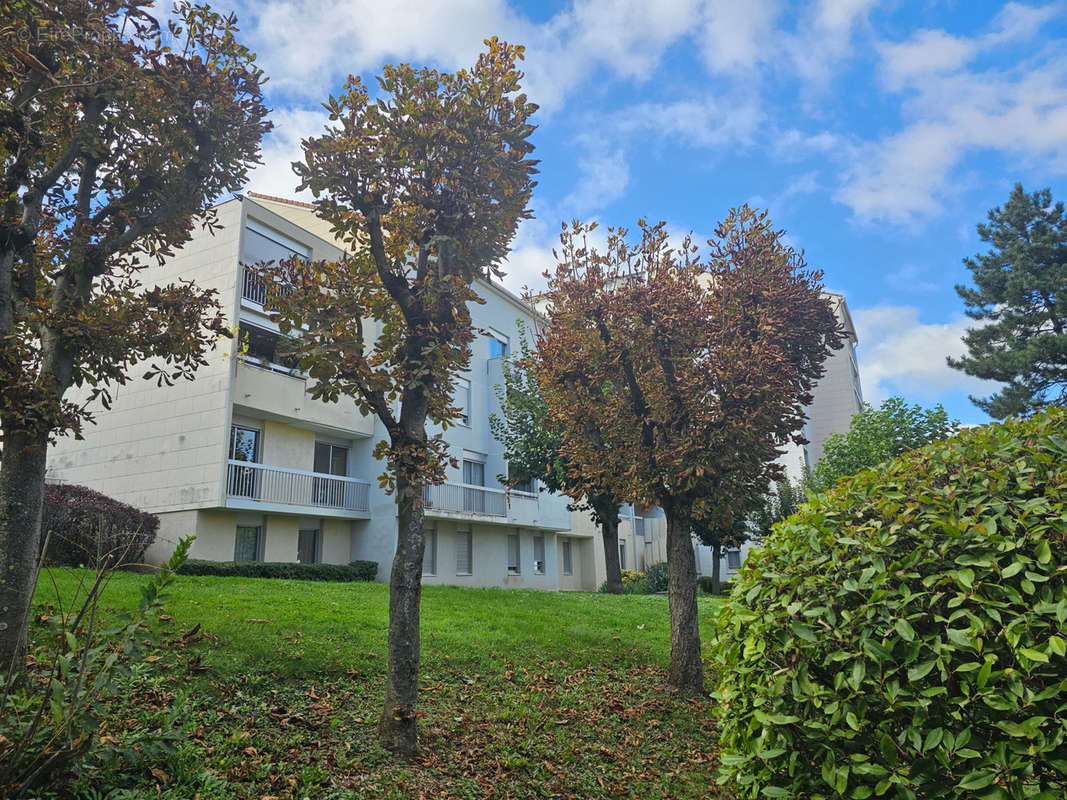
(1021, 291)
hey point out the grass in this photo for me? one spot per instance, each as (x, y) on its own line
(524, 694)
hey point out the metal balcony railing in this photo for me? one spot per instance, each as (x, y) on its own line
(254, 288)
(481, 500)
(294, 487)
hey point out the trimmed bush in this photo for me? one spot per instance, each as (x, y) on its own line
(706, 587)
(902, 635)
(85, 527)
(337, 573)
(656, 578)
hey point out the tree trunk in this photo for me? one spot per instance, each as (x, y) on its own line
(607, 513)
(716, 569)
(22, 471)
(397, 728)
(686, 672)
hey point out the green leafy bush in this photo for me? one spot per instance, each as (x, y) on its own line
(50, 715)
(336, 573)
(707, 586)
(84, 527)
(902, 636)
(656, 578)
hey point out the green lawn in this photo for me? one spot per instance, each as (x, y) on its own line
(525, 694)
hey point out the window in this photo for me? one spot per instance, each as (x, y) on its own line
(520, 484)
(429, 551)
(261, 344)
(622, 555)
(330, 459)
(539, 555)
(462, 400)
(513, 554)
(464, 553)
(733, 559)
(248, 543)
(498, 346)
(263, 248)
(568, 564)
(474, 475)
(309, 546)
(244, 446)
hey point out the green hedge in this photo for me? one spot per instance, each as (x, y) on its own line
(340, 573)
(705, 585)
(903, 635)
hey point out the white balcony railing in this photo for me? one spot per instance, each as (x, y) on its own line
(294, 487)
(464, 498)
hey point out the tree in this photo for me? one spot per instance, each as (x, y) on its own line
(879, 434)
(531, 447)
(696, 372)
(1021, 292)
(425, 187)
(115, 135)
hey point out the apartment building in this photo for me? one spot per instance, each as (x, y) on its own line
(244, 459)
(837, 397)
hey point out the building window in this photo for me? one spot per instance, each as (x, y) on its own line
(244, 446)
(330, 459)
(462, 400)
(622, 555)
(464, 553)
(733, 559)
(520, 484)
(248, 543)
(568, 564)
(261, 249)
(309, 546)
(260, 344)
(429, 551)
(513, 554)
(498, 346)
(474, 475)
(539, 555)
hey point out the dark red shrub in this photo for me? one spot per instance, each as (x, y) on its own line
(84, 527)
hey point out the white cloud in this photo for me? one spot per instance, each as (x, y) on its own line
(952, 111)
(736, 36)
(603, 174)
(282, 147)
(925, 53)
(899, 354)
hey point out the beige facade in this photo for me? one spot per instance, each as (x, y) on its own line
(245, 460)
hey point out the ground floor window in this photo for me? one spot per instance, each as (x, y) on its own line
(539, 555)
(733, 559)
(622, 555)
(309, 546)
(248, 544)
(464, 553)
(429, 551)
(513, 554)
(568, 564)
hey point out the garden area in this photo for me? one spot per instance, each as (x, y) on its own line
(272, 688)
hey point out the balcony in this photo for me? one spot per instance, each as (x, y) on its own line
(483, 504)
(262, 487)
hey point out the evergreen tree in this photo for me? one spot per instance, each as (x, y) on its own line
(1021, 293)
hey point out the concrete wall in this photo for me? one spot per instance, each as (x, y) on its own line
(161, 448)
(490, 558)
(289, 447)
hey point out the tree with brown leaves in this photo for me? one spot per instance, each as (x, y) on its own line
(116, 132)
(682, 378)
(425, 188)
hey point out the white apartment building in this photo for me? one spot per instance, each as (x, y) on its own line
(246, 461)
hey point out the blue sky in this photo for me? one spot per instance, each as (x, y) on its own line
(877, 133)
